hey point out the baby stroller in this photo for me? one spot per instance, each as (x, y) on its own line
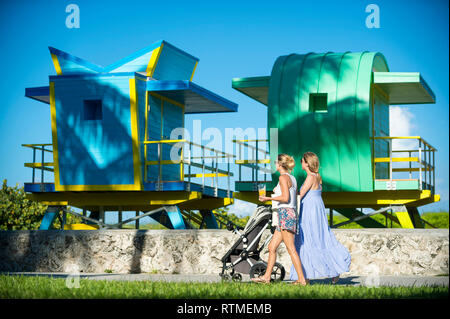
(244, 256)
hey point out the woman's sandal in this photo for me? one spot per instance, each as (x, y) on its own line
(261, 280)
(299, 283)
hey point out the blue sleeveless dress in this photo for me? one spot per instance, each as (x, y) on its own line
(321, 254)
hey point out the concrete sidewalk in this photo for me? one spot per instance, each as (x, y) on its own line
(369, 281)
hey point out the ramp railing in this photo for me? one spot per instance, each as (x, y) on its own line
(39, 163)
(208, 161)
(253, 154)
(423, 155)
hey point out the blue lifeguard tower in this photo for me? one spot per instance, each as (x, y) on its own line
(113, 145)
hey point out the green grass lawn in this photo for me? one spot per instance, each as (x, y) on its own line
(44, 287)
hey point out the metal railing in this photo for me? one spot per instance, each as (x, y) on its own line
(188, 162)
(42, 164)
(198, 220)
(424, 155)
(258, 159)
(207, 171)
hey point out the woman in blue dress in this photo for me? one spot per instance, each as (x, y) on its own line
(322, 255)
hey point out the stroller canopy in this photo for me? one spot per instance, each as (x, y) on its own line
(261, 213)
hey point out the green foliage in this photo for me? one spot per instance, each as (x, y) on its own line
(132, 225)
(70, 219)
(439, 220)
(16, 211)
(19, 213)
(153, 226)
(44, 287)
(224, 215)
(337, 218)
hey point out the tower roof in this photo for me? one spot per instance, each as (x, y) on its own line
(313, 70)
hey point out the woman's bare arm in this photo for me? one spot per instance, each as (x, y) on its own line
(306, 186)
(284, 197)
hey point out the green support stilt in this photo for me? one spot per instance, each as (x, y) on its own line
(415, 217)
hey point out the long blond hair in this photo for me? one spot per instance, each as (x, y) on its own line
(286, 161)
(312, 160)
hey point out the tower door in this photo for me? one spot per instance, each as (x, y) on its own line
(163, 117)
(380, 127)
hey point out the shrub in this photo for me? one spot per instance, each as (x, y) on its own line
(19, 213)
(16, 211)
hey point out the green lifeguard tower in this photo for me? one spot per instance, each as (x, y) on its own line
(113, 147)
(337, 106)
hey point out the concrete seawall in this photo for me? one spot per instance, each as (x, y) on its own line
(373, 251)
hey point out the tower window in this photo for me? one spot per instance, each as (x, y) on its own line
(318, 102)
(93, 110)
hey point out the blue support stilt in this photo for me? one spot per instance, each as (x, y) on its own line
(49, 218)
(174, 214)
(171, 218)
(209, 219)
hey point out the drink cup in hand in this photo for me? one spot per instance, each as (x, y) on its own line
(262, 189)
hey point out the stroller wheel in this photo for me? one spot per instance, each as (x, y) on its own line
(258, 269)
(226, 277)
(237, 277)
(278, 272)
(227, 270)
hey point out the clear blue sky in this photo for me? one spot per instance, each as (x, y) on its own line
(232, 39)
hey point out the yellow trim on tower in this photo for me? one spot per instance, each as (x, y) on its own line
(126, 200)
(163, 162)
(56, 64)
(146, 134)
(263, 161)
(395, 159)
(154, 60)
(137, 185)
(382, 92)
(112, 187)
(54, 203)
(374, 199)
(80, 227)
(372, 102)
(181, 166)
(54, 136)
(193, 71)
(135, 136)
